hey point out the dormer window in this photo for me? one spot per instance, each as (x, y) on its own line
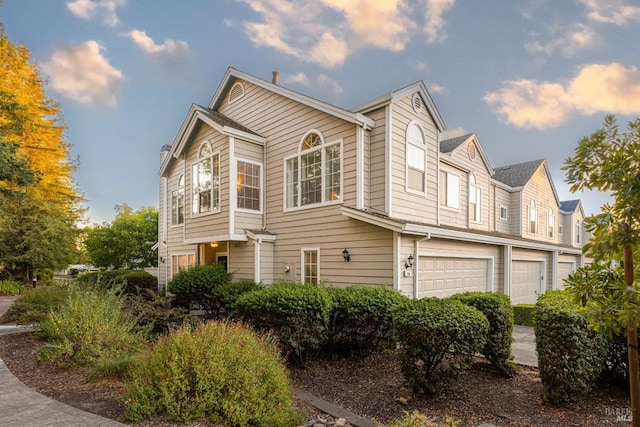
(314, 175)
(416, 159)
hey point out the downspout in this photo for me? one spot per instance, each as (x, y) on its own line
(438, 183)
(387, 160)
(263, 188)
(359, 166)
(232, 180)
(256, 262)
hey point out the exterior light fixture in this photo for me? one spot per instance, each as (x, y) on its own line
(214, 244)
(162, 260)
(346, 255)
(409, 262)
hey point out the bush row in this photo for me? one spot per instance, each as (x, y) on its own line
(129, 280)
(572, 357)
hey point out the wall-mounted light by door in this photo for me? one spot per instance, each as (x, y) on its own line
(346, 255)
(409, 262)
(214, 244)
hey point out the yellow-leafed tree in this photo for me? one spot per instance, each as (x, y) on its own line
(39, 204)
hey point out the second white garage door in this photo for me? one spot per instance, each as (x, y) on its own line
(444, 276)
(526, 280)
(564, 270)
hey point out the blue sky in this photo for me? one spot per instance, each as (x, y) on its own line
(530, 77)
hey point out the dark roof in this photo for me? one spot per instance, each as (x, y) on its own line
(516, 175)
(569, 206)
(223, 120)
(448, 145)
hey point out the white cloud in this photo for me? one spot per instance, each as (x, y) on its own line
(326, 32)
(611, 11)
(434, 22)
(567, 40)
(169, 47)
(452, 133)
(81, 73)
(300, 79)
(436, 88)
(88, 9)
(332, 86)
(610, 88)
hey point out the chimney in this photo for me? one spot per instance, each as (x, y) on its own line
(276, 77)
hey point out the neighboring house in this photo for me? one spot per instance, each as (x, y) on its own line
(275, 185)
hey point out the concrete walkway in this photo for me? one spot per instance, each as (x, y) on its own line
(20, 406)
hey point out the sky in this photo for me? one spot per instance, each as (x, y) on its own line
(529, 77)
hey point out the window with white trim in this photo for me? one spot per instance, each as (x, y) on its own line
(248, 181)
(449, 190)
(503, 213)
(314, 175)
(532, 218)
(551, 224)
(311, 266)
(177, 203)
(578, 232)
(182, 262)
(560, 229)
(205, 178)
(475, 200)
(416, 159)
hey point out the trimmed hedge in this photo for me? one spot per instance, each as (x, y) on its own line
(524, 314)
(134, 281)
(571, 355)
(299, 314)
(497, 308)
(196, 287)
(438, 339)
(361, 319)
(228, 293)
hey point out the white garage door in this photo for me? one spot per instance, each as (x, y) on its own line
(564, 270)
(444, 276)
(526, 279)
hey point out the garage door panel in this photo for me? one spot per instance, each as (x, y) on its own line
(444, 276)
(526, 278)
(564, 269)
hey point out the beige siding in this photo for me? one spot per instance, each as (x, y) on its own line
(266, 263)
(516, 210)
(377, 170)
(407, 205)
(539, 189)
(503, 199)
(241, 256)
(456, 217)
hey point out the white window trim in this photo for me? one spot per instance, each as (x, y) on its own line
(578, 231)
(322, 149)
(184, 201)
(506, 213)
(213, 210)
(551, 224)
(252, 162)
(473, 186)
(446, 205)
(531, 209)
(302, 265)
(177, 254)
(406, 158)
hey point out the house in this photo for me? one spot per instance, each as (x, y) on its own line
(275, 185)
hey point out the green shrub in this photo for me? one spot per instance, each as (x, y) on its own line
(297, 313)
(228, 293)
(524, 314)
(11, 287)
(238, 381)
(155, 313)
(196, 287)
(571, 356)
(35, 305)
(361, 319)
(90, 327)
(134, 280)
(497, 308)
(438, 339)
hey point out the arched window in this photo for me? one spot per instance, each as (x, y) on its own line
(205, 178)
(314, 175)
(177, 203)
(475, 200)
(533, 218)
(578, 232)
(416, 159)
(551, 224)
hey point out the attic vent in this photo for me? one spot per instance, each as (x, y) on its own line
(236, 92)
(416, 101)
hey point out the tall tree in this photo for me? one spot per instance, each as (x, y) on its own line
(609, 160)
(39, 205)
(126, 242)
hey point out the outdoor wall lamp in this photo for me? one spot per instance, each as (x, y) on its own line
(409, 262)
(162, 260)
(346, 255)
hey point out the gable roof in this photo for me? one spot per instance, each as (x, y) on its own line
(394, 96)
(233, 74)
(517, 175)
(569, 207)
(198, 114)
(451, 145)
